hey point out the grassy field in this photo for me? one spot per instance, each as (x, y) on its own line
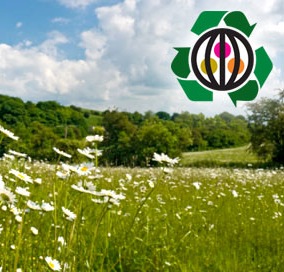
(240, 156)
(222, 212)
(66, 218)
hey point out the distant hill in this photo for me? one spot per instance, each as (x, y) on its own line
(129, 138)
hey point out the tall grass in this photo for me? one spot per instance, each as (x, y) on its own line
(194, 219)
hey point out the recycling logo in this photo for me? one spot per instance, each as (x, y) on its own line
(222, 59)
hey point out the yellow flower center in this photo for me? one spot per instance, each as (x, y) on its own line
(51, 265)
(84, 168)
(21, 176)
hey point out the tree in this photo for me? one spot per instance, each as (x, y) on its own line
(118, 143)
(266, 123)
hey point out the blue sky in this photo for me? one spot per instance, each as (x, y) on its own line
(103, 54)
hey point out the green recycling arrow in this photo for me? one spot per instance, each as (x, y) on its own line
(206, 20)
(181, 68)
(180, 64)
(263, 65)
(246, 93)
(194, 91)
(239, 21)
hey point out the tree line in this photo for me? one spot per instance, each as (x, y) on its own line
(129, 138)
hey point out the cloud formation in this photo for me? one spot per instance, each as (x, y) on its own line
(76, 3)
(127, 56)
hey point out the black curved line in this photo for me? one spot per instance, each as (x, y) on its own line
(249, 65)
(208, 67)
(237, 61)
(212, 35)
(222, 61)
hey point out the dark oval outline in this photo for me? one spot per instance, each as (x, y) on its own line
(214, 84)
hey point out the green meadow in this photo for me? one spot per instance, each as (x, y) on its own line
(84, 218)
(227, 157)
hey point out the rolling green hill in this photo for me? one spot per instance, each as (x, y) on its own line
(239, 156)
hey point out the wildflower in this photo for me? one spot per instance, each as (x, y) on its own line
(83, 170)
(21, 176)
(97, 152)
(47, 207)
(9, 133)
(17, 154)
(8, 156)
(196, 185)
(68, 168)
(53, 264)
(99, 201)
(167, 170)
(15, 210)
(86, 152)
(18, 218)
(164, 158)
(95, 138)
(61, 240)
(277, 214)
(151, 183)
(38, 180)
(79, 188)
(34, 206)
(62, 153)
(13, 247)
(62, 175)
(22, 191)
(234, 193)
(70, 215)
(34, 230)
(7, 195)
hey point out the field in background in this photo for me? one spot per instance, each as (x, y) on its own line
(235, 157)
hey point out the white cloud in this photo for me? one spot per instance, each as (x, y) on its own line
(60, 20)
(76, 3)
(128, 56)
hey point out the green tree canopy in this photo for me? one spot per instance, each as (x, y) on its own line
(266, 123)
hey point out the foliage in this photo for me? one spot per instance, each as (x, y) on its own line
(43, 125)
(266, 122)
(130, 138)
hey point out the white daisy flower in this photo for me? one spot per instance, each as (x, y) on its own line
(70, 215)
(8, 133)
(7, 195)
(8, 156)
(61, 240)
(86, 152)
(235, 193)
(47, 207)
(18, 218)
(22, 191)
(32, 205)
(62, 153)
(95, 138)
(83, 170)
(38, 180)
(53, 264)
(34, 230)
(17, 154)
(196, 185)
(21, 176)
